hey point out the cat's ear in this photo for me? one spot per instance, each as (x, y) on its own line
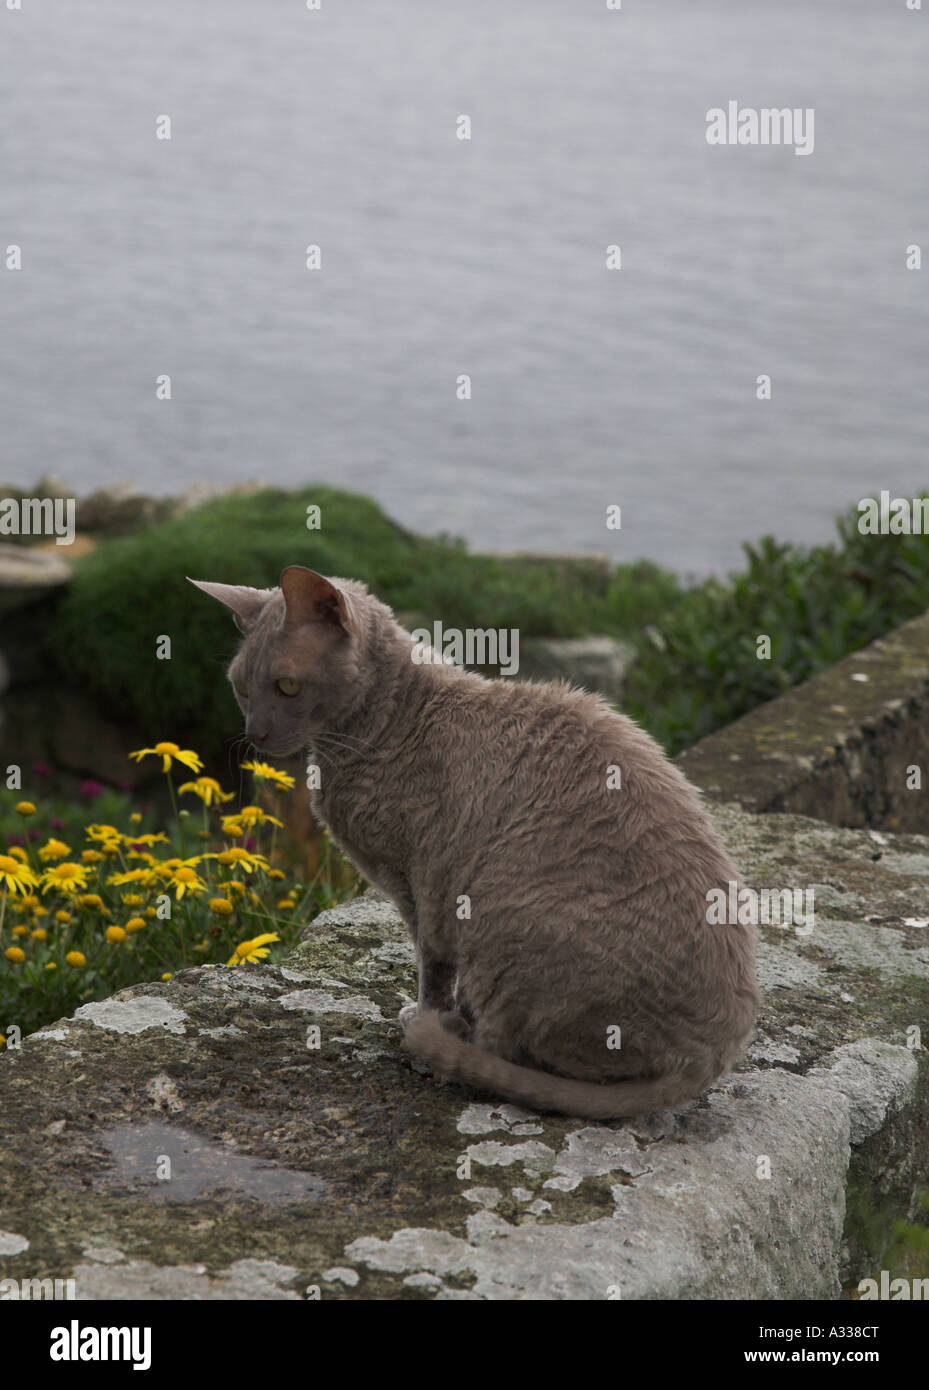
(246, 604)
(311, 598)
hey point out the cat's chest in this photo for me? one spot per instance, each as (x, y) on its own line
(356, 811)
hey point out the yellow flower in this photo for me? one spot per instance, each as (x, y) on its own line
(186, 880)
(25, 808)
(135, 924)
(208, 790)
(168, 752)
(252, 950)
(241, 856)
(135, 818)
(141, 876)
(16, 875)
(40, 934)
(151, 912)
(18, 852)
(63, 917)
(264, 772)
(167, 975)
(64, 878)
(115, 935)
(254, 815)
(221, 906)
(15, 955)
(105, 835)
(285, 905)
(28, 903)
(20, 931)
(233, 886)
(232, 827)
(276, 873)
(93, 901)
(92, 856)
(55, 849)
(76, 958)
(51, 966)
(133, 900)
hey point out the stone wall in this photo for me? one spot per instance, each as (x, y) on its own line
(838, 747)
(347, 1171)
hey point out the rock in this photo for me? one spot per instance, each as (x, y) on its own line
(118, 510)
(837, 747)
(28, 575)
(596, 663)
(198, 493)
(342, 1168)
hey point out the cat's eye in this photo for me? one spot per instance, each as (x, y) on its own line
(288, 686)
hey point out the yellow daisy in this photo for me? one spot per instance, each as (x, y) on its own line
(264, 772)
(92, 901)
(208, 790)
(104, 834)
(254, 815)
(55, 849)
(252, 950)
(64, 878)
(243, 857)
(16, 875)
(186, 880)
(168, 752)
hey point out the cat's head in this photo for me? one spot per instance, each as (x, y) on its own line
(301, 665)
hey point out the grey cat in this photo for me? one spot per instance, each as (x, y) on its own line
(559, 919)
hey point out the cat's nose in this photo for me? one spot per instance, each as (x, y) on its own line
(258, 736)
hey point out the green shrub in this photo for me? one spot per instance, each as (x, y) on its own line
(699, 671)
(129, 592)
(697, 667)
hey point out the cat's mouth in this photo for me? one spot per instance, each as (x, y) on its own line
(290, 750)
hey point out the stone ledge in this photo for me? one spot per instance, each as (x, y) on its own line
(836, 747)
(337, 1168)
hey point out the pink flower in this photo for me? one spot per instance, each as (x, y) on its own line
(90, 789)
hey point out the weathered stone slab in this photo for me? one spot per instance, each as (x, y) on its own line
(348, 1169)
(837, 747)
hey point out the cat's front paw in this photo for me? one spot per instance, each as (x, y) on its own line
(407, 1014)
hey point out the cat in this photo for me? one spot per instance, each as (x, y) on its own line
(559, 920)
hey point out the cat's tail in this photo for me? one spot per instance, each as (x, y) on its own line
(539, 1090)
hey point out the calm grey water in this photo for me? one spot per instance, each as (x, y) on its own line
(440, 257)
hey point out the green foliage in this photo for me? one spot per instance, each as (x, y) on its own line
(697, 667)
(129, 592)
(699, 670)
